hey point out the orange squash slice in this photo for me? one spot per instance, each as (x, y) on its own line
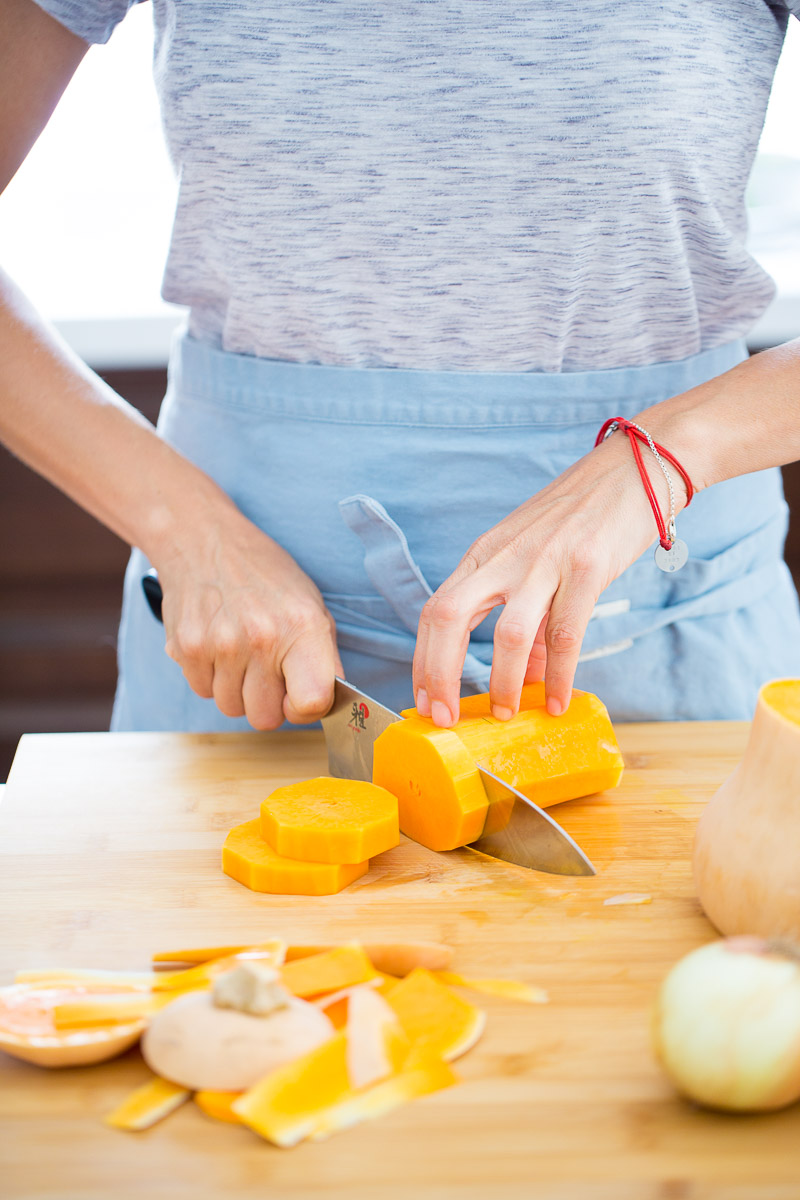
(549, 759)
(434, 1017)
(330, 971)
(147, 1105)
(330, 820)
(28, 1029)
(248, 859)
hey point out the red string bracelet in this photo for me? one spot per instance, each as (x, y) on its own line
(671, 553)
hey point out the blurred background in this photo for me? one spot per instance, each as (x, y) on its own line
(84, 229)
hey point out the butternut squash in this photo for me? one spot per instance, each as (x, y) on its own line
(248, 859)
(433, 772)
(330, 820)
(746, 865)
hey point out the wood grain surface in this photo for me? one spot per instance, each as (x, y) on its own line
(109, 850)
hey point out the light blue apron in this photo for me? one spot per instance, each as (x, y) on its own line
(378, 480)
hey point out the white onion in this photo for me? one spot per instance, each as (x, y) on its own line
(727, 1025)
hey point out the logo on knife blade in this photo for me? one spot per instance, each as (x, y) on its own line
(358, 716)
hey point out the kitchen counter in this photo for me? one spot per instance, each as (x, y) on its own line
(109, 850)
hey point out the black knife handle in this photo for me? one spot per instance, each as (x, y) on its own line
(153, 593)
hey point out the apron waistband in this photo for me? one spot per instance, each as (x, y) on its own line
(397, 396)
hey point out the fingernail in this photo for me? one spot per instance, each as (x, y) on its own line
(554, 707)
(441, 713)
(502, 714)
(423, 703)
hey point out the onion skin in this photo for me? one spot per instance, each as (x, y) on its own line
(726, 1026)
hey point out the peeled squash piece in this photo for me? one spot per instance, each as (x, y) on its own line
(746, 865)
(248, 859)
(28, 1029)
(433, 772)
(330, 820)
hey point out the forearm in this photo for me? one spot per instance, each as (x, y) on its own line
(745, 420)
(66, 423)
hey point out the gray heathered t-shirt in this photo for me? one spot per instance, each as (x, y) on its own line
(461, 184)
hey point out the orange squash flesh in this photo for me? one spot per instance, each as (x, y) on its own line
(330, 820)
(439, 791)
(219, 1105)
(330, 971)
(433, 1016)
(434, 773)
(286, 1105)
(248, 859)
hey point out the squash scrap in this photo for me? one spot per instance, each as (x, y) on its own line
(506, 989)
(202, 954)
(285, 1106)
(248, 859)
(433, 772)
(61, 976)
(147, 1105)
(107, 1010)
(422, 1074)
(330, 971)
(392, 958)
(434, 1016)
(377, 1046)
(219, 1105)
(204, 974)
(330, 820)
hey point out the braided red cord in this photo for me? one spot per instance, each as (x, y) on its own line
(635, 436)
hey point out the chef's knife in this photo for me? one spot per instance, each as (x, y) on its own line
(516, 829)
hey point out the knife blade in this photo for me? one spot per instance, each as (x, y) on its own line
(516, 830)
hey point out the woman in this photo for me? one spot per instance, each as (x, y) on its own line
(428, 249)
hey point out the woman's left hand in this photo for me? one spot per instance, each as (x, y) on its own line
(547, 563)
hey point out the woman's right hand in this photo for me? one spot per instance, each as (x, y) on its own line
(247, 625)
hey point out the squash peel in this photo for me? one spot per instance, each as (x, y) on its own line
(434, 1016)
(147, 1105)
(505, 989)
(219, 1105)
(343, 967)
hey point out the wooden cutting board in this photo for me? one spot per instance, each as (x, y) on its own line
(109, 849)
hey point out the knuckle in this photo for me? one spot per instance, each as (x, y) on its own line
(445, 610)
(311, 704)
(562, 637)
(583, 561)
(265, 719)
(261, 635)
(511, 634)
(308, 619)
(190, 645)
